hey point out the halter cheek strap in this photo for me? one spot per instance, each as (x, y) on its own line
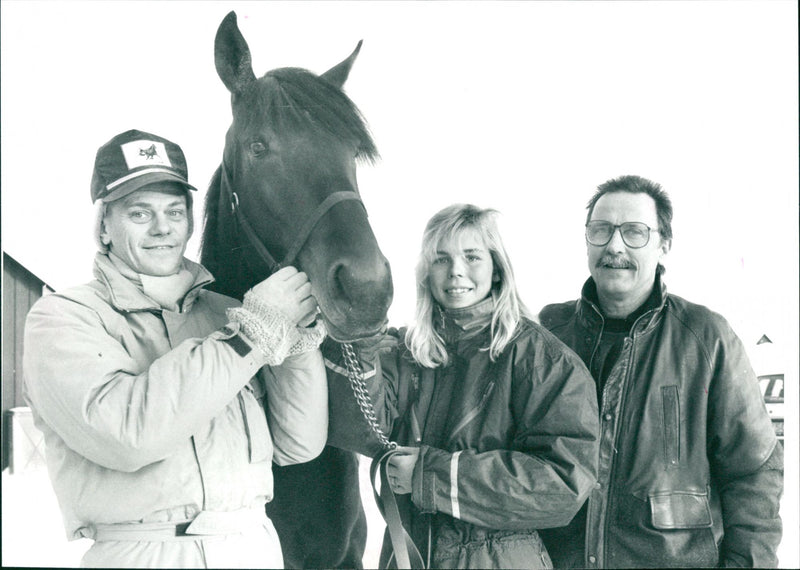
(301, 237)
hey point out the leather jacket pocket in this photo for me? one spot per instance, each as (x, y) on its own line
(680, 510)
(255, 423)
(671, 417)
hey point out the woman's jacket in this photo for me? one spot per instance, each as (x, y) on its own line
(507, 447)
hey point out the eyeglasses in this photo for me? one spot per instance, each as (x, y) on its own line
(634, 234)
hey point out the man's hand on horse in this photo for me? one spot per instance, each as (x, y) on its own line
(289, 291)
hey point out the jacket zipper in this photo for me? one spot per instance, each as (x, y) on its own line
(472, 414)
(199, 470)
(599, 546)
(598, 337)
(629, 342)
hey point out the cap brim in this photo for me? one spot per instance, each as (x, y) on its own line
(144, 180)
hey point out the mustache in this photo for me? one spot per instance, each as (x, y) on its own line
(616, 262)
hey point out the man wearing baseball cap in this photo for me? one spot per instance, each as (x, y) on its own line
(163, 405)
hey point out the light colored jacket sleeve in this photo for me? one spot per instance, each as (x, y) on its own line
(297, 407)
(108, 400)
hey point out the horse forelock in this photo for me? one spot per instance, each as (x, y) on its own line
(292, 99)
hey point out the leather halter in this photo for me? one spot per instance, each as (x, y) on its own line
(302, 235)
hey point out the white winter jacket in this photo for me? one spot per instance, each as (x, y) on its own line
(151, 415)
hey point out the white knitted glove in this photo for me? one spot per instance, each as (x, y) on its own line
(307, 338)
(269, 329)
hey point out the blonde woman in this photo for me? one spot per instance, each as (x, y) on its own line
(496, 418)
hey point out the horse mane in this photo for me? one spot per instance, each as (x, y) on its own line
(294, 99)
(211, 248)
(210, 213)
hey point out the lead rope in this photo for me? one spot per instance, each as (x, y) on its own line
(355, 374)
(404, 551)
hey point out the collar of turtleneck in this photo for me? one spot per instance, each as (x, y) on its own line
(167, 291)
(459, 324)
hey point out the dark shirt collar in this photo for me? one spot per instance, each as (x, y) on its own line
(653, 301)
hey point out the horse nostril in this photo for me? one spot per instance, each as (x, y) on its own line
(347, 286)
(338, 287)
(364, 290)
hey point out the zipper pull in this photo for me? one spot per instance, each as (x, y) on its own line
(415, 431)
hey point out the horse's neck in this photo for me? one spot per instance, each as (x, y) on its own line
(231, 278)
(219, 252)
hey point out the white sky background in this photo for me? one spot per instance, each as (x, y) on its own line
(521, 106)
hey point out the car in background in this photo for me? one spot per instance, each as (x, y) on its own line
(769, 360)
(772, 390)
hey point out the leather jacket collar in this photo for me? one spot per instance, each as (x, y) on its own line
(592, 316)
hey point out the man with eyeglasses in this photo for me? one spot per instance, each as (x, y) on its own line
(690, 471)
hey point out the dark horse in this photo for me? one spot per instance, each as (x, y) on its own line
(286, 194)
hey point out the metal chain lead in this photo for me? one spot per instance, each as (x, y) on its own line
(356, 376)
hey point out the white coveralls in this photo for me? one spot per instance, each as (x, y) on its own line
(157, 442)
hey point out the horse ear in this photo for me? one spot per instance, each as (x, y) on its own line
(232, 56)
(337, 74)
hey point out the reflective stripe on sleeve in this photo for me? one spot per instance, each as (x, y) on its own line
(454, 484)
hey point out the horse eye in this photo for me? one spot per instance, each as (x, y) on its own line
(258, 148)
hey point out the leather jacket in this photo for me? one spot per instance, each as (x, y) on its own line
(514, 450)
(684, 440)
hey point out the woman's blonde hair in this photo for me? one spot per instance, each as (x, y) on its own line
(426, 345)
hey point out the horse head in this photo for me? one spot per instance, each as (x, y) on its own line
(287, 191)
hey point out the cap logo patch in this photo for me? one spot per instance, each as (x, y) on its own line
(145, 153)
(149, 153)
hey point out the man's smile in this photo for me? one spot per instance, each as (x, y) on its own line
(158, 247)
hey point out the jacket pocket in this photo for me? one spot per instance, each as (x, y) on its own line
(671, 416)
(255, 424)
(680, 510)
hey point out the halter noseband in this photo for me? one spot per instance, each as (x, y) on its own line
(302, 235)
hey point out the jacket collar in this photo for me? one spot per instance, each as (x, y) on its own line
(124, 288)
(590, 313)
(456, 325)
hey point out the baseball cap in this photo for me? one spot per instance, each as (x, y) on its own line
(134, 159)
